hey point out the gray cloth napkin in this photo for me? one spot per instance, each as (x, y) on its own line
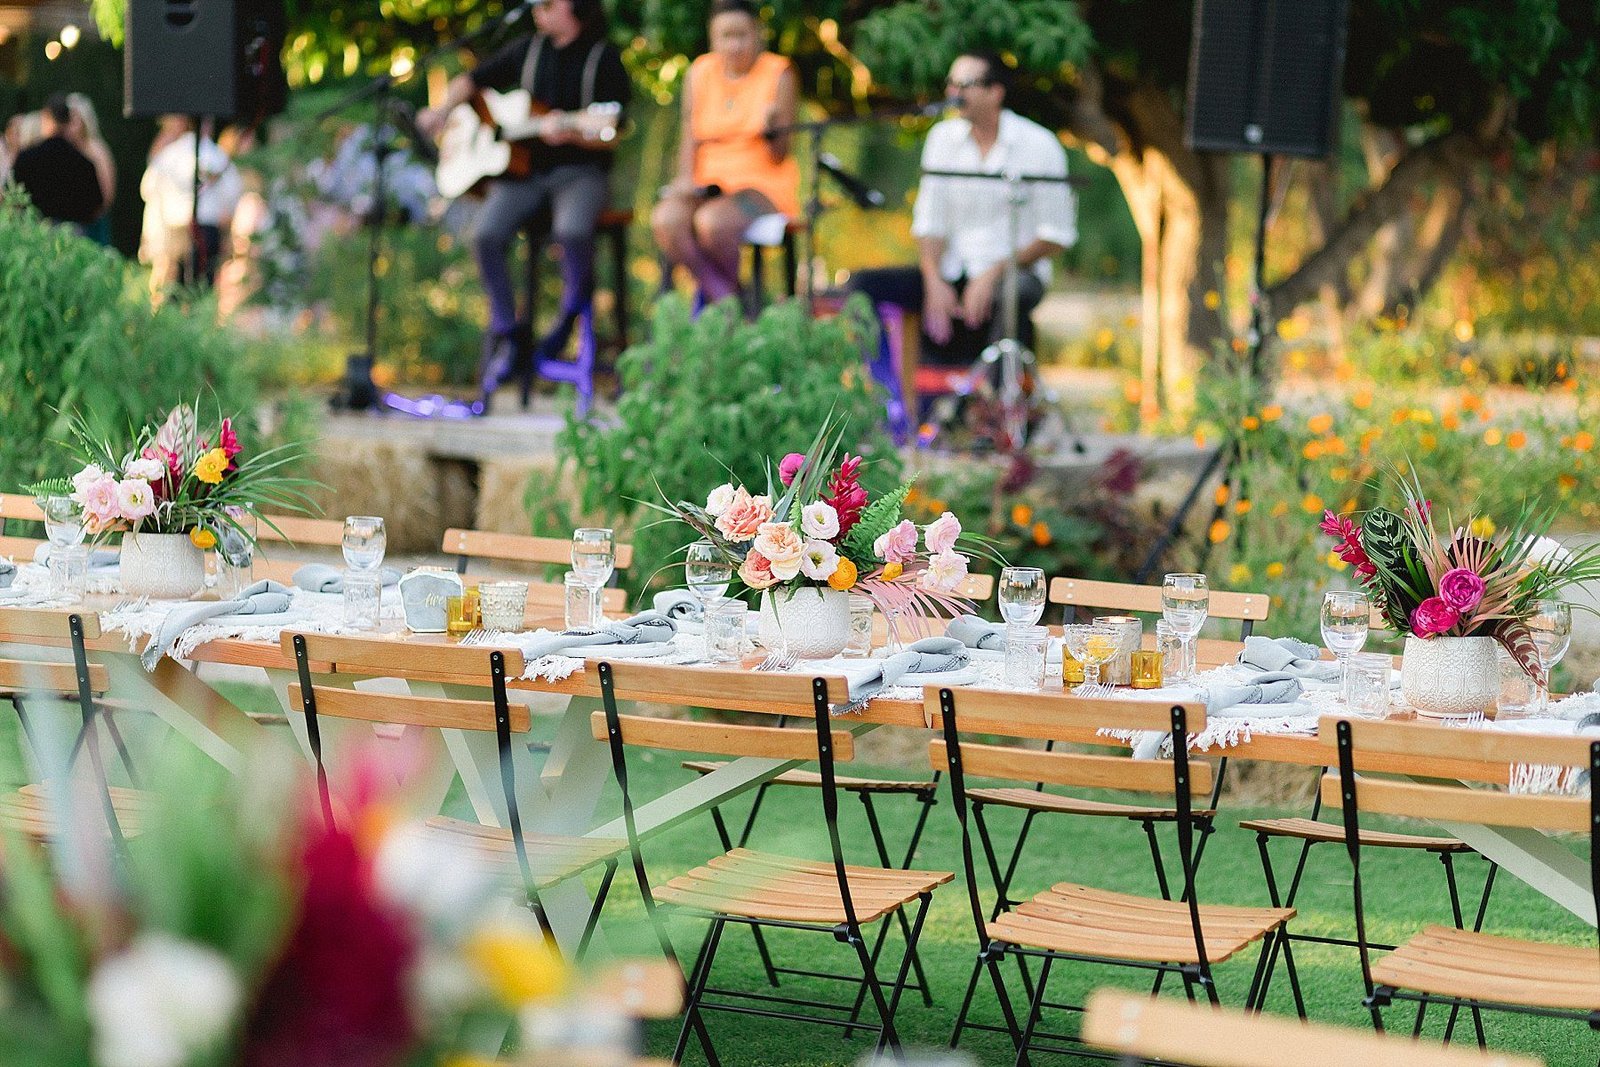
(8, 573)
(679, 605)
(1285, 655)
(102, 561)
(266, 601)
(1222, 702)
(645, 627)
(322, 578)
(931, 655)
(974, 632)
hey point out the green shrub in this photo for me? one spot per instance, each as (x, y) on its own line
(711, 399)
(77, 337)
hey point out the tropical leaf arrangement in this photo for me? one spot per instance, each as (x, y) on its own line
(815, 525)
(1449, 579)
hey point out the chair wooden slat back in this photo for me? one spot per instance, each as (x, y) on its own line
(722, 739)
(1068, 768)
(25, 676)
(734, 690)
(468, 545)
(51, 625)
(1057, 716)
(977, 588)
(434, 712)
(301, 530)
(372, 656)
(20, 507)
(1249, 608)
(1146, 1028)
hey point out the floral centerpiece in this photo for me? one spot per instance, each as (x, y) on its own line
(1456, 590)
(173, 491)
(814, 534)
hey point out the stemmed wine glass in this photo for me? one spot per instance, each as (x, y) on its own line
(1091, 644)
(707, 572)
(593, 560)
(1551, 623)
(1185, 603)
(364, 543)
(1346, 618)
(1021, 592)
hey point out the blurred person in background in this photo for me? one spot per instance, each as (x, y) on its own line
(59, 178)
(83, 130)
(182, 240)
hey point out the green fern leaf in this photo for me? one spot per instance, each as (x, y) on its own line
(881, 516)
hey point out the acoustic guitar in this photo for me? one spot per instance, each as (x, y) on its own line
(496, 134)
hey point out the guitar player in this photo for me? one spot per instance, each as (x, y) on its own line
(566, 66)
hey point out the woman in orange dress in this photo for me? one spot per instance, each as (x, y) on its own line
(731, 171)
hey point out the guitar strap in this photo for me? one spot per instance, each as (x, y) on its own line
(591, 70)
(530, 64)
(591, 67)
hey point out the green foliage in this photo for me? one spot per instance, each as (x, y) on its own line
(881, 516)
(79, 339)
(910, 45)
(710, 399)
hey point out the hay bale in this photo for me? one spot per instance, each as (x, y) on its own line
(373, 477)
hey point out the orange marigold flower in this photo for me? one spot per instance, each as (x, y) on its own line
(1274, 570)
(1242, 506)
(1219, 531)
(1222, 494)
(1428, 441)
(1492, 436)
(1516, 439)
(1041, 534)
(1450, 421)
(1312, 450)
(1362, 398)
(1021, 514)
(1312, 504)
(1250, 422)
(1280, 509)
(1582, 441)
(1272, 413)
(1320, 424)
(1471, 402)
(1334, 446)
(1567, 482)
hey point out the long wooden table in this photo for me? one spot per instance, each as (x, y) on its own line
(562, 794)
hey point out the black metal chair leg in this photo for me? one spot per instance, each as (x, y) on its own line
(927, 799)
(1253, 999)
(692, 1019)
(966, 1004)
(1033, 1013)
(121, 746)
(888, 1037)
(900, 915)
(1006, 1011)
(910, 955)
(1422, 1010)
(594, 912)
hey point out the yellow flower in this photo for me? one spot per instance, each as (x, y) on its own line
(891, 571)
(1238, 574)
(844, 577)
(1311, 504)
(1212, 299)
(202, 538)
(1320, 424)
(1274, 570)
(1200, 439)
(1482, 526)
(210, 467)
(1219, 531)
(1041, 535)
(1428, 441)
(519, 965)
(1422, 415)
(1021, 514)
(1250, 422)
(1280, 509)
(1335, 562)
(1492, 436)
(1272, 413)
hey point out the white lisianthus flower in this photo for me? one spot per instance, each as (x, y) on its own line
(818, 560)
(945, 571)
(719, 500)
(149, 470)
(1548, 553)
(160, 1002)
(84, 479)
(135, 499)
(819, 521)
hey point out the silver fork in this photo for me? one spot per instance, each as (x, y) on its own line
(777, 661)
(476, 636)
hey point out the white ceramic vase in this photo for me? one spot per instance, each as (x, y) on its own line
(814, 623)
(161, 566)
(1443, 677)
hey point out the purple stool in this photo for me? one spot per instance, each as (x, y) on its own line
(886, 368)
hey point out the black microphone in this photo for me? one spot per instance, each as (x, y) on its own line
(863, 195)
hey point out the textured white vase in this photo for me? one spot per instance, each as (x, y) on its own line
(1450, 676)
(161, 566)
(814, 622)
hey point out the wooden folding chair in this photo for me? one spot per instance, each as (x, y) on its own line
(15, 508)
(1071, 921)
(32, 809)
(297, 530)
(758, 889)
(469, 545)
(1146, 1030)
(1448, 965)
(541, 860)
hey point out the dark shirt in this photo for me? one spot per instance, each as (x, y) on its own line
(60, 180)
(558, 85)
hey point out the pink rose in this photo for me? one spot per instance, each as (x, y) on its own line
(744, 516)
(100, 505)
(1432, 617)
(756, 571)
(789, 467)
(1461, 588)
(945, 571)
(899, 545)
(942, 534)
(782, 547)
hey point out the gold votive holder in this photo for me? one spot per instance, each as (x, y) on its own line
(461, 613)
(1146, 668)
(1071, 669)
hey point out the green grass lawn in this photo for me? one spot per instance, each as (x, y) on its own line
(1404, 892)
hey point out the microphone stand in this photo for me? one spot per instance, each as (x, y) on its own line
(359, 392)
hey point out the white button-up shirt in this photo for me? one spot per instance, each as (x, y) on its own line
(971, 214)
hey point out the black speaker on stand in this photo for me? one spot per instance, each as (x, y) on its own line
(1264, 78)
(217, 58)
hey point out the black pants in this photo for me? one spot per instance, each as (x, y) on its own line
(902, 287)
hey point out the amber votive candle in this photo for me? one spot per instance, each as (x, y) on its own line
(1071, 669)
(1146, 669)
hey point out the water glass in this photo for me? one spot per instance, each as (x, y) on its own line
(860, 644)
(1175, 662)
(504, 605)
(364, 542)
(1185, 603)
(593, 555)
(1551, 623)
(1346, 617)
(1516, 689)
(707, 572)
(69, 571)
(1024, 656)
(725, 630)
(363, 591)
(63, 520)
(583, 603)
(1021, 593)
(1367, 681)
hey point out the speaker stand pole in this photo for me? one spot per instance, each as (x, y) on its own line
(1227, 454)
(194, 208)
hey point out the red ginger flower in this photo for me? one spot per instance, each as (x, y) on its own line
(845, 494)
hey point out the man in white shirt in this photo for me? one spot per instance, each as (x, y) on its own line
(962, 225)
(167, 188)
